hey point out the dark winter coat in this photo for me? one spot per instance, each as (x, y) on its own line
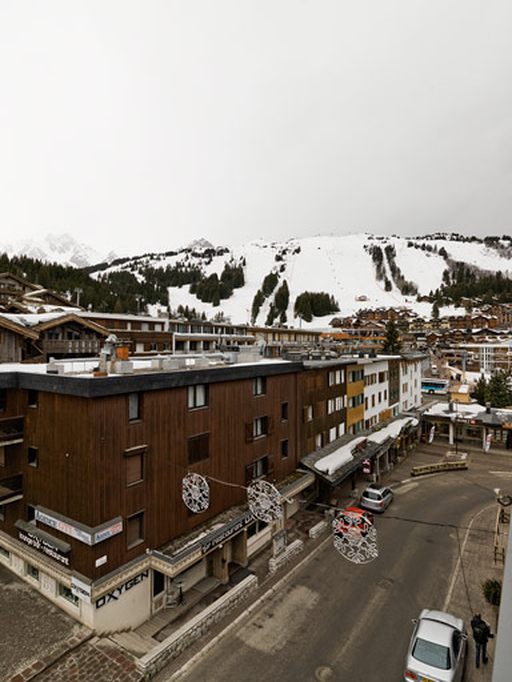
(481, 631)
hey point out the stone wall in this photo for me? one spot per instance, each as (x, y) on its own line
(197, 626)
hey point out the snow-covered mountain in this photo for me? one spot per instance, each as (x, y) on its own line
(342, 266)
(57, 248)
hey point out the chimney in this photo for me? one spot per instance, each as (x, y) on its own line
(488, 408)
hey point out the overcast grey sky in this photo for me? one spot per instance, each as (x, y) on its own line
(143, 125)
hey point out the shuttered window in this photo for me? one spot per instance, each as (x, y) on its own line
(198, 448)
(135, 529)
(134, 462)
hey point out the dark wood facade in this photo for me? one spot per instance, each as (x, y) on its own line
(75, 454)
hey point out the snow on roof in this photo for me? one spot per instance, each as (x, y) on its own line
(331, 463)
(442, 409)
(32, 319)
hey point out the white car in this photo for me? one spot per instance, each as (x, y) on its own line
(437, 651)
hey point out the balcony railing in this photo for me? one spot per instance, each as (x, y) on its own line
(11, 431)
(11, 489)
(71, 346)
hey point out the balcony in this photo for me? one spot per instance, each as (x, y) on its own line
(11, 489)
(11, 431)
(72, 346)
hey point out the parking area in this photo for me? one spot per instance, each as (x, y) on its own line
(31, 628)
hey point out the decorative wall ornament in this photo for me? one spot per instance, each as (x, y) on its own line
(265, 501)
(355, 537)
(195, 492)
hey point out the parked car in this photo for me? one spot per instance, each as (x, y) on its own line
(376, 498)
(437, 651)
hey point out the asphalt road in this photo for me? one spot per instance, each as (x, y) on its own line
(338, 621)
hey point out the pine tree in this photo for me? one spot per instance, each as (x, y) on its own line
(392, 342)
(498, 391)
(435, 310)
(480, 391)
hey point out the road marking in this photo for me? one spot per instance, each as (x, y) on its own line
(406, 488)
(501, 473)
(461, 554)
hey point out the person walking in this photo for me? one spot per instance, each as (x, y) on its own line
(481, 635)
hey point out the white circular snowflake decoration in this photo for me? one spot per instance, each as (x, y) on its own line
(355, 537)
(195, 493)
(264, 501)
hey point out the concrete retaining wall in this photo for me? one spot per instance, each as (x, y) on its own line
(318, 529)
(197, 626)
(292, 550)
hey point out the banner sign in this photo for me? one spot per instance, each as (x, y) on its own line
(80, 589)
(43, 545)
(431, 434)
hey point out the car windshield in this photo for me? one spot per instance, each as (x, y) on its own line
(371, 495)
(432, 654)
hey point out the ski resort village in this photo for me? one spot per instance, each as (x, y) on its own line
(196, 441)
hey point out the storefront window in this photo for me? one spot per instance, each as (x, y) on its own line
(66, 593)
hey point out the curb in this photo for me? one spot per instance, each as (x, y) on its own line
(249, 610)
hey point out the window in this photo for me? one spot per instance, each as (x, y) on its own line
(319, 441)
(2, 512)
(259, 385)
(366, 403)
(357, 375)
(357, 400)
(256, 469)
(332, 434)
(64, 591)
(135, 530)
(3, 399)
(284, 449)
(284, 412)
(5, 553)
(308, 413)
(31, 513)
(373, 400)
(32, 397)
(256, 528)
(2, 456)
(134, 466)
(33, 456)
(197, 396)
(341, 430)
(335, 377)
(198, 448)
(134, 406)
(330, 405)
(32, 572)
(382, 377)
(260, 427)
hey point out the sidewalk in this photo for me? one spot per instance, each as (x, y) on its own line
(477, 565)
